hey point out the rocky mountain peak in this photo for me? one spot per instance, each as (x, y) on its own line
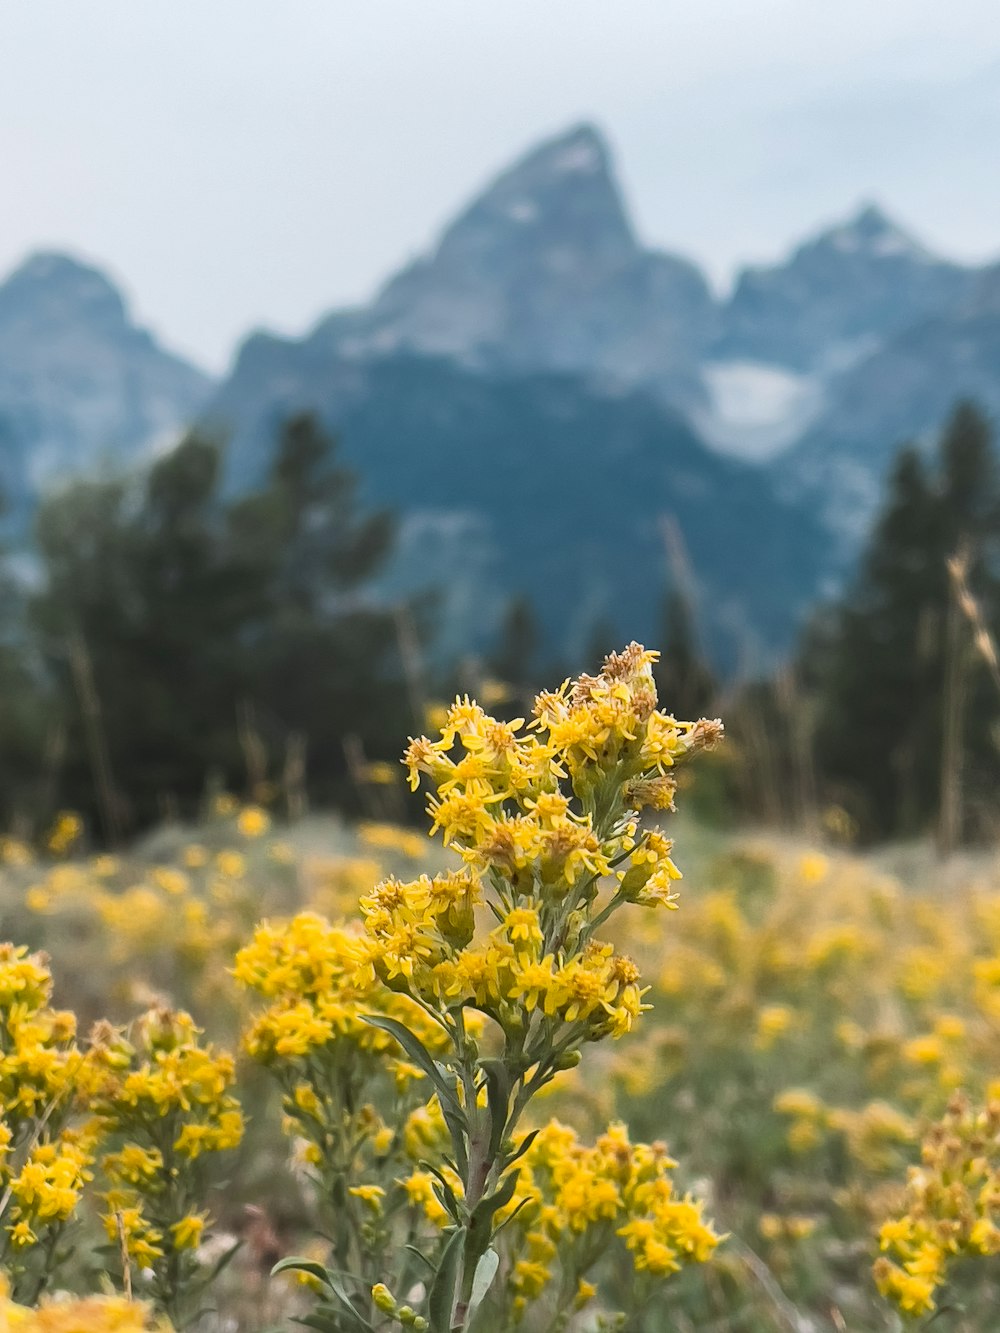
(543, 271)
(839, 295)
(562, 196)
(872, 234)
(984, 295)
(79, 380)
(52, 289)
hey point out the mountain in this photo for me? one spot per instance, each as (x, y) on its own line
(543, 271)
(542, 484)
(838, 296)
(903, 391)
(80, 382)
(540, 371)
(543, 397)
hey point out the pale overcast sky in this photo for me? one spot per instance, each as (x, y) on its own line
(237, 163)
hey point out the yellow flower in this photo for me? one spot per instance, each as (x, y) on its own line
(585, 1292)
(188, 1231)
(22, 1235)
(529, 1277)
(253, 822)
(231, 865)
(773, 1021)
(370, 1195)
(383, 1298)
(65, 832)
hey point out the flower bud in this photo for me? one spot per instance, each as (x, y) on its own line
(383, 1298)
(568, 1060)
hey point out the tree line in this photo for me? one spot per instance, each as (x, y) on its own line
(170, 640)
(885, 722)
(173, 639)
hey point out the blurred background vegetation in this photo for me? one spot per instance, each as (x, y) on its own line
(175, 640)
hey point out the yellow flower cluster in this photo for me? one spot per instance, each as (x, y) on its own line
(45, 1158)
(330, 1062)
(166, 925)
(951, 1207)
(60, 1103)
(165, 1102)
(602, 733)
(873, 1133)
(96, 1314)
(322, 986)
(572, 1200)
(813, 1011)
(389, 838)
(65, 833)
(543, 817)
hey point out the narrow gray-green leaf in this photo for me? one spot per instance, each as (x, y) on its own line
(313, 1269)
(482, 1217)
(498, 1101)
(441, 1298)
(417, 1052)
(486, 1271)
(522, 1147)
(301, 1264)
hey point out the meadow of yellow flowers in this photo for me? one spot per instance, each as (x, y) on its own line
(492, 1080)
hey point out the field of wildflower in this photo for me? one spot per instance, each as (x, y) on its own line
(514, 1075)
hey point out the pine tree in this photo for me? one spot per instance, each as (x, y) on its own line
(514, 659)
(188, 636)
(326, 660)
(683, 679)
(883, 665)
(602, 640)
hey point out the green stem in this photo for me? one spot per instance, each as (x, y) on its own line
(480, 1169)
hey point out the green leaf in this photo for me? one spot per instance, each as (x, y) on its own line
(458, 1126)
(324, 1323)
(446, 1198)
(345, 1300)
(417, 1052)
(486, 1271)
(523, 1147)
(507, 1220)
(498, 1100)
(485, 1209)
(302, 1265)
(441, 1298)
(421, 1256)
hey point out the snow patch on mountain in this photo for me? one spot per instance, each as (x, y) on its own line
(755, 409)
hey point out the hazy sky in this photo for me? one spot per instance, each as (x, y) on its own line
(238, 163)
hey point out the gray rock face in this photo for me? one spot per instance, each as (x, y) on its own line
(839, 295)
(542, 485)
(79, 381)
(543, 272)
(901, 392)
(816, 368)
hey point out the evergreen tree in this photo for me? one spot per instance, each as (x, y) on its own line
(514, 659)
(326, 657)
(30, 734)
(882, 665)
(683, 680)
(187, 637)
(602, 639)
